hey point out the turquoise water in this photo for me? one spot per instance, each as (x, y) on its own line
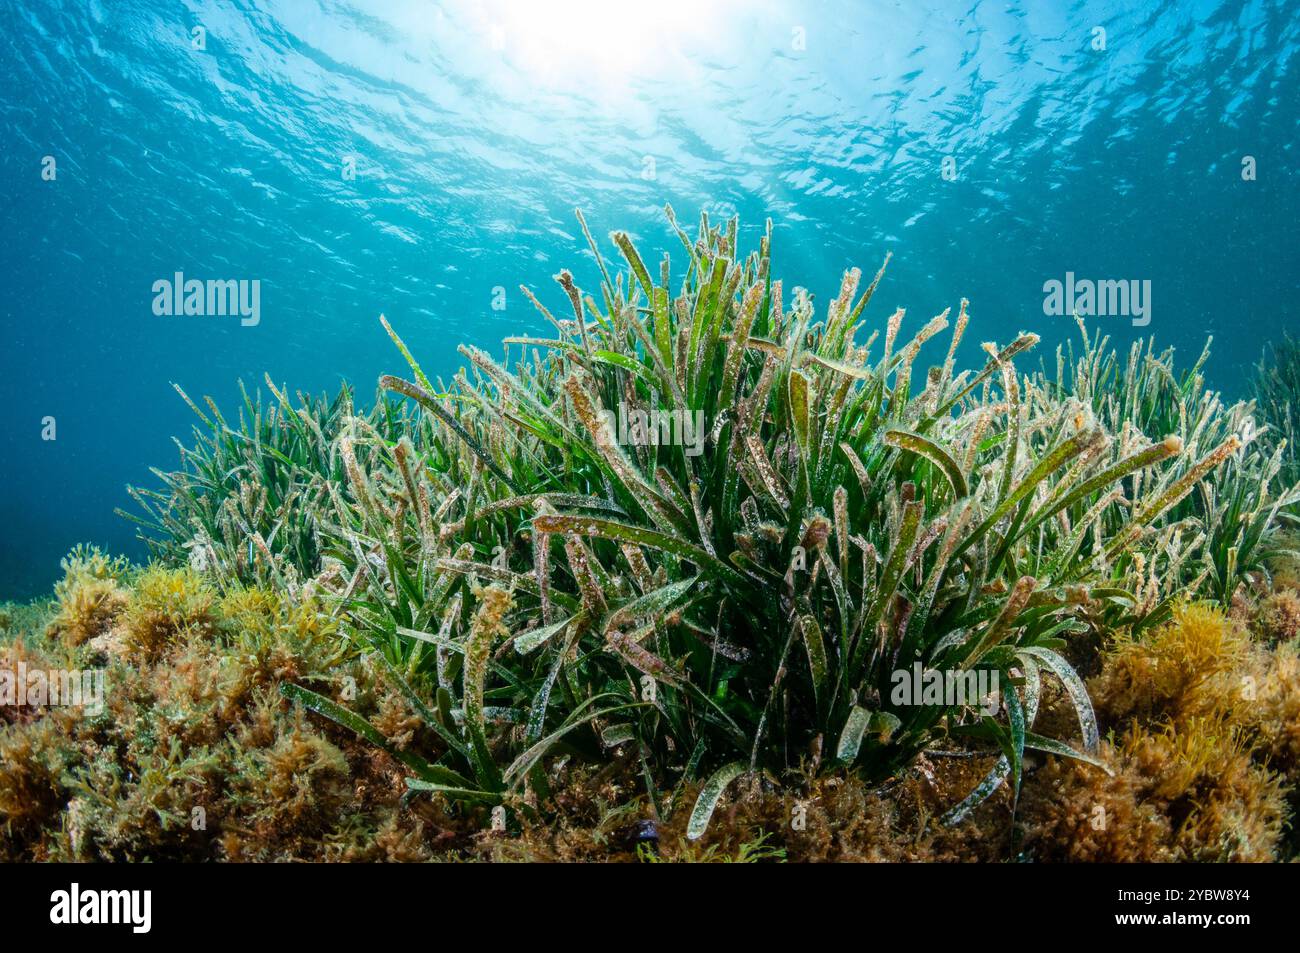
(993, 147)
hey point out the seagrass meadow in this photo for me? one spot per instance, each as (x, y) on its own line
(656, 587)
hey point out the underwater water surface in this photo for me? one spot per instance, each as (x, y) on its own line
(339, 160)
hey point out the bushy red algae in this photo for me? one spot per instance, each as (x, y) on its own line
(195, 755)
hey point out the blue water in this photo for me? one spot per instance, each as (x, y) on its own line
(477, 128)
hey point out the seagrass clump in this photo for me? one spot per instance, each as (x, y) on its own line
(706, 525)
